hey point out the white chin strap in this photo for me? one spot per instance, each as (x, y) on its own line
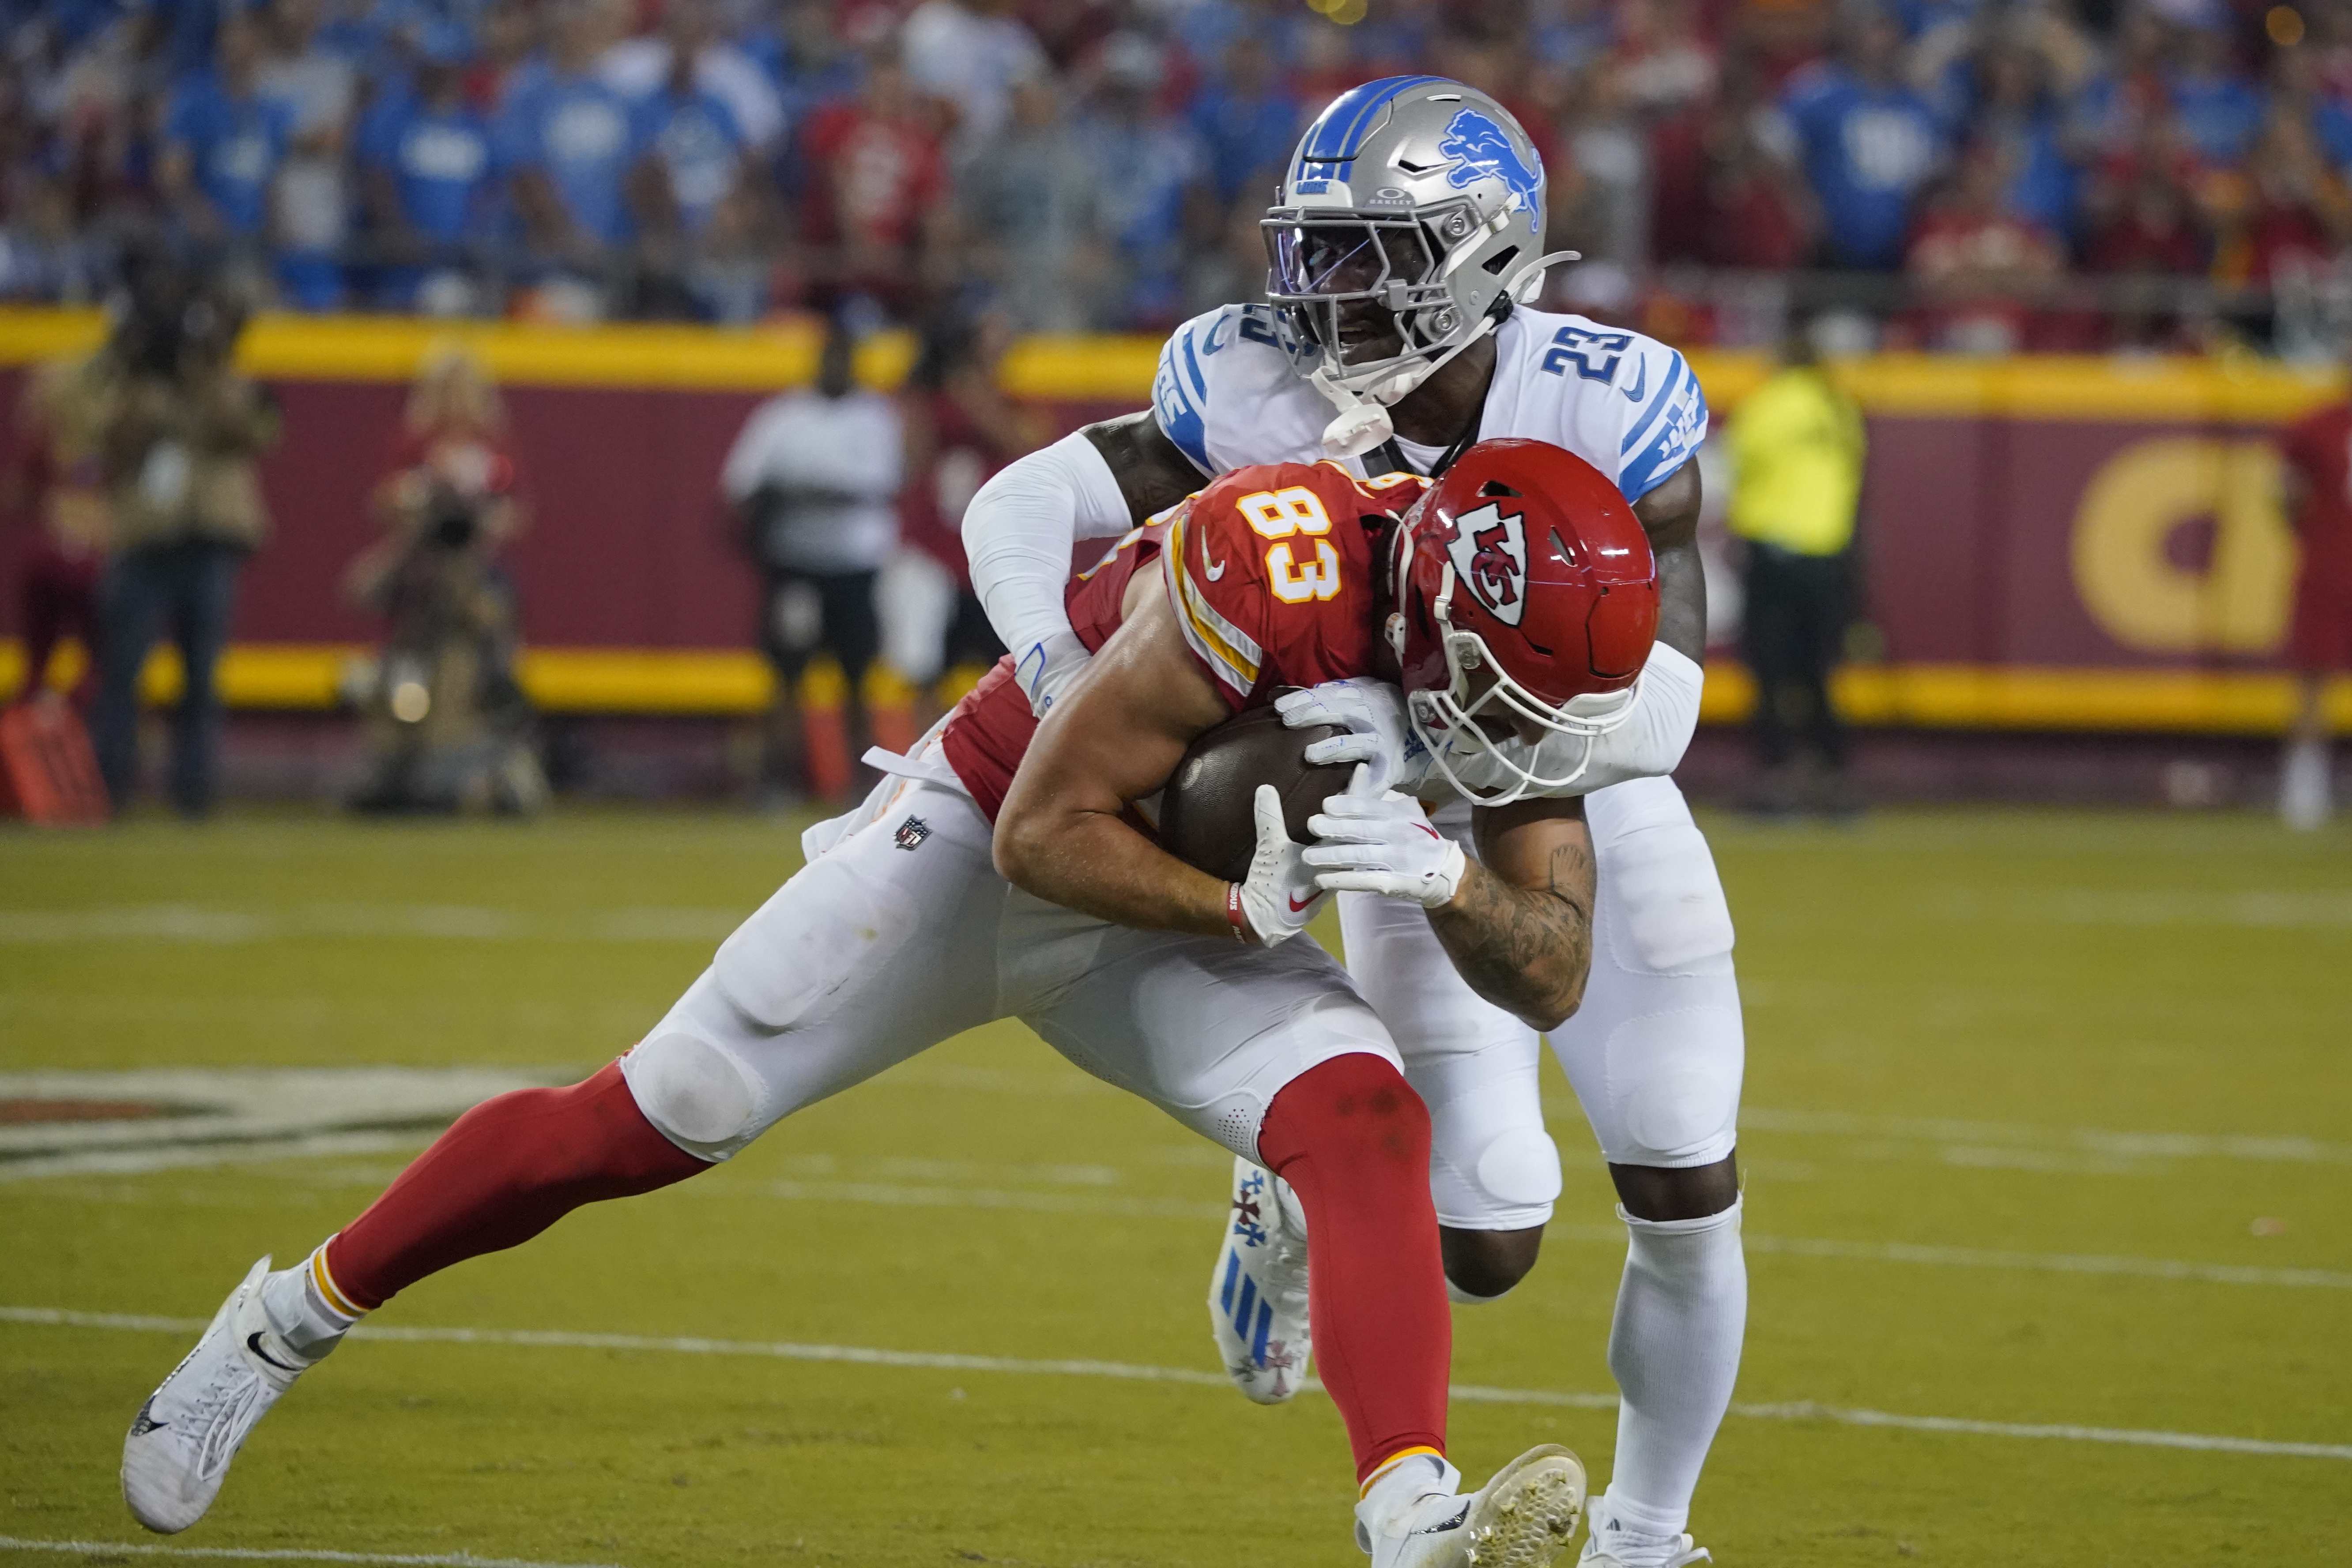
(1363, 420)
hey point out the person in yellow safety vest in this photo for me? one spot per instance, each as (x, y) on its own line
(1796, 447)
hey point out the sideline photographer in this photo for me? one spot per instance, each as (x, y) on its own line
(178, 458)
(448, 726)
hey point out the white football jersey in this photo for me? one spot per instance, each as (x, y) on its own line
(1227, 394)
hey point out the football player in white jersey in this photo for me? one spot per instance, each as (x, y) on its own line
(1405, 251)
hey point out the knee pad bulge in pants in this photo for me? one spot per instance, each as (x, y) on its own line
(694, 1093)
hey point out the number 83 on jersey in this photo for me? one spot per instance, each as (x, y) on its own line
(1292, 517)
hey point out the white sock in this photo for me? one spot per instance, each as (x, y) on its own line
(1682, 1313)
(2303, 785)
(303, 1305)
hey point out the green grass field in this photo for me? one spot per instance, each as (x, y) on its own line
(2049, 1125)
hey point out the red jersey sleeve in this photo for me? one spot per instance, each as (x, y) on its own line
(1270, 570)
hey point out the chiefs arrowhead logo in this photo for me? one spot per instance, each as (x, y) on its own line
(1489, 553)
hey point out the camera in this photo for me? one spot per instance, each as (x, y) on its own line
(452, 521)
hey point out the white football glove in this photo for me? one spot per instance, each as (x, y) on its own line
(1047, 667)
(1372, 712)
(1279, 896)
(1368, 842)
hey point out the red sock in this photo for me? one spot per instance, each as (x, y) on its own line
(506, 1170)
(1352, 1140)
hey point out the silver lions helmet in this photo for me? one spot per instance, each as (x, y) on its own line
(1411, 221)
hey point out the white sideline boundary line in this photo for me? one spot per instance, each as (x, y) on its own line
(1795, 1410)
(281, 1554)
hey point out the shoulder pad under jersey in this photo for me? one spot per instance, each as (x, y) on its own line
(1628, 405)
(1227, 394)
(1270, 575)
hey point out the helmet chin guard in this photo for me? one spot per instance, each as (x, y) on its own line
(1363, 421)
(1444, 719)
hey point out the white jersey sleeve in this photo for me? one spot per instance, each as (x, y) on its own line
(1628, 405)
(1227, 395)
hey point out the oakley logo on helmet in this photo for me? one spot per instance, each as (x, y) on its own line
(1480, 150)
(1489, 553)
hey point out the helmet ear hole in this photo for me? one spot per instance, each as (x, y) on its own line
(1497, 488)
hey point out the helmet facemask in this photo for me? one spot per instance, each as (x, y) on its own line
(1322, 262)
(1446, 719)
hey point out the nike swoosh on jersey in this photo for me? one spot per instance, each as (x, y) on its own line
(1634, 392)
(1216, 568)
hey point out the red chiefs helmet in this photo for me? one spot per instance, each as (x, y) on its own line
(1523, 562)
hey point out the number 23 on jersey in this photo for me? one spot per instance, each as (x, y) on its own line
(1292, 517)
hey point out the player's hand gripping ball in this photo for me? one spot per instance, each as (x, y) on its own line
(1208, 814)
(1371, 713)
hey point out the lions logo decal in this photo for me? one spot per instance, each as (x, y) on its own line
(1482, 149)
(1489, 553)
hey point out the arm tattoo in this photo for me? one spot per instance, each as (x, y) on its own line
(1152, 474)
(1526, 950)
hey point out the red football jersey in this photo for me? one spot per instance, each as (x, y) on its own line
(1271, 573)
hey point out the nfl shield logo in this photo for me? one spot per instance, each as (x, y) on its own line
(911, 832)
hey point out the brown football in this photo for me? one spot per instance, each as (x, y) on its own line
(1206, 813)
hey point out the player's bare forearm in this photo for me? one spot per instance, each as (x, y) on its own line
(1519, 929)
(1669, 515)
(1152, 474)
(1115, 738)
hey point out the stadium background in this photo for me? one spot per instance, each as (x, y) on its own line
(2055, 544)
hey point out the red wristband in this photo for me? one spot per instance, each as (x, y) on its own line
(1234, 915)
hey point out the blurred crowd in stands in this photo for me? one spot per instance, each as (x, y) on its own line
(1976, 175)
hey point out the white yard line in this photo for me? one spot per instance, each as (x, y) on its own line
(1804, 1410)
(281, 1554)
(1977, 1257)
(2308, 910)
(201, 1157)
(892, 1196)
(2261, 1147)
(447, 923)
(896, 1196)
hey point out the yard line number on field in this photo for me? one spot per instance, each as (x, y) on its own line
(864, 1355)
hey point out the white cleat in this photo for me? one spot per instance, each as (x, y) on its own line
(1524, 1518)
(183, 1437)
(1257, 1293)
(1612, 1546)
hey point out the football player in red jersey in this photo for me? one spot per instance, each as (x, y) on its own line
(1518, 594)
(1290, 575)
